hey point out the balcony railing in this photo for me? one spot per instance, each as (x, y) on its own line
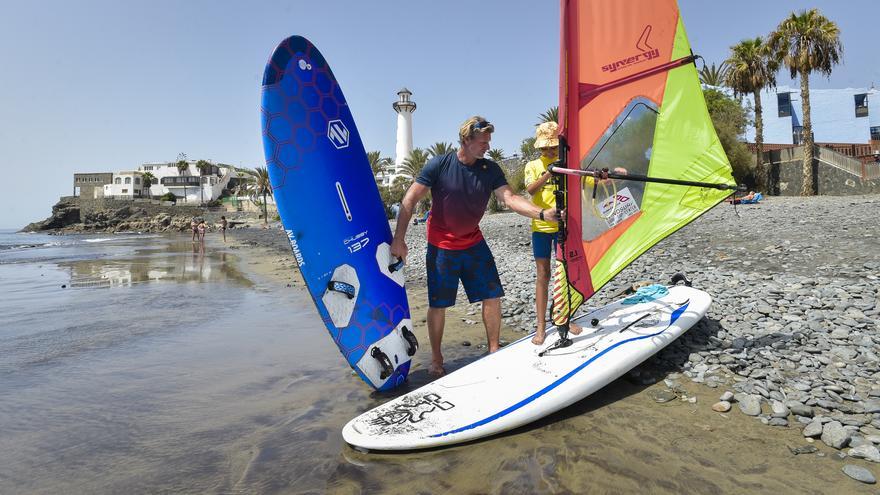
(182, 181)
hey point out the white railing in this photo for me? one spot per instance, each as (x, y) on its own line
(838, 161)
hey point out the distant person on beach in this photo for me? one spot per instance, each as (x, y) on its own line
(223, 225)
(461, 183)
(422, 219)
(194, 225)
(751, 197)
(202, 227)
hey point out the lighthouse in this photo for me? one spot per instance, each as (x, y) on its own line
(404, 107)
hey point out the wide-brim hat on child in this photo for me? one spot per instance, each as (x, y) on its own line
(547, 135)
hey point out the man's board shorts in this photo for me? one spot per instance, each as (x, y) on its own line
(543, 243)
(474, 266)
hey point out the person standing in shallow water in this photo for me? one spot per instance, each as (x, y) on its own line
(223, 225)
(194, 226)
(202, 228)
(461, 183)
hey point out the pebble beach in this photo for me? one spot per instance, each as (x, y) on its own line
(790, 342)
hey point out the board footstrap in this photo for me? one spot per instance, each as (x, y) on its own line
(412, 344)
(341, 287)
(387, 367)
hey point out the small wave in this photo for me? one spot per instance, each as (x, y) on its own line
(100, 239)
(17, 247)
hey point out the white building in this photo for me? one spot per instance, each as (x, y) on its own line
(124, 185)
(190, 186)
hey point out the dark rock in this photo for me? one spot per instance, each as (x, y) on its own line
(63, 214)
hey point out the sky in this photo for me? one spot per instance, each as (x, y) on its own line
(103, 86)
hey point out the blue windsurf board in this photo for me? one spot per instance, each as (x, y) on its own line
(330, 207)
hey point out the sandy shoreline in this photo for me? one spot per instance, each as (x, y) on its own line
(619, 439)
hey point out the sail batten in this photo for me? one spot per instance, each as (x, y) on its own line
(630, 99)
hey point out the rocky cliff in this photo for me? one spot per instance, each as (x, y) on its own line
(70, 217)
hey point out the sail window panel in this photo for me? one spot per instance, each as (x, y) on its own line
(627, 144)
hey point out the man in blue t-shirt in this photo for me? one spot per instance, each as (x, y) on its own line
(461, 183)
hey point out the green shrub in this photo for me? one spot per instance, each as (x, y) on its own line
(730, 121)
(392, 194)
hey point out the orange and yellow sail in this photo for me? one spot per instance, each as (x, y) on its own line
(630, 98)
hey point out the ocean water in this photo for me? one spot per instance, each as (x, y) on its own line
(136, 363)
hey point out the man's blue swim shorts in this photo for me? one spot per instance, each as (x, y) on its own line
(474, 266)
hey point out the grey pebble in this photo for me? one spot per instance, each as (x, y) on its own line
(749, 404)
(859, 473)
(868, 452)
(814, 429)
(835, 435)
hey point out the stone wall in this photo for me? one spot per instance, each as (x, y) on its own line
(827, 180)
(151, 207)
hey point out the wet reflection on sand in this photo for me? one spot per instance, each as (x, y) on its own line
(176, 260)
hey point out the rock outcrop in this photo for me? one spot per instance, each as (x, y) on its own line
(64, 214)
(68, 217)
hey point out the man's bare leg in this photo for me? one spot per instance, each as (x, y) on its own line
(436, 323)
(492, 322)
(542, 280)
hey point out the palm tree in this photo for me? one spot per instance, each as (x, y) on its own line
(711, 75)
(496, 155)
(751, 68)
(204, 169)
(375, 159)
(527, 149)
(413, 164)
(551, 115)
(378, 163)
(440, 148)
(148, 179)
(807, 42)
(262, 186)
(182, 168)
